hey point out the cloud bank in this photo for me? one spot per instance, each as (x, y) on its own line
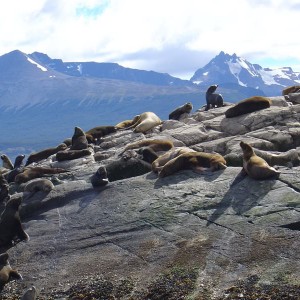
(169, 36)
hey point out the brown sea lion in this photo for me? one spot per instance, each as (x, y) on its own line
(197, 161)
(36, 172)
(145, 122)
(7, 273)
(158, 164)
(11, 229)
(30, 294)
(100, 131)
(255, 166)
(213, 100)
(248, 105)
(127, 123)
(290, 90)
(40, 184)
(79, 140)
(44, 154)
(18, 168)
(154, 144)
(4, 190)
(6, 162)
(72, 154)
(178, 112)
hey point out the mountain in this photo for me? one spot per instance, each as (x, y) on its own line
(108, 71)
(228, 70)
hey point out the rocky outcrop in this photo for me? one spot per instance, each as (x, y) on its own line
(134, 229)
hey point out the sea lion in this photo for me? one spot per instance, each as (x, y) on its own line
(178, 112)
(148, 154)
(197, 161)
(79, 140)
(127, 123)
(7, 273)
(213, 100)
(18, 168)
(36, 172)
(290, 90)
(30, 294)
(248, 105)
(155, 145)
(72, 154)
(126, 167)
(255, 166)
(4, 190)
(44, 154)
(100, 177)
(11, 229)
(158, 164)
(6, 162)
(41, 184)
(68, 142)
(100, 131)
(145, 122)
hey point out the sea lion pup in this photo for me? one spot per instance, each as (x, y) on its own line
(18, 168)
(155, 145)
(4, 190)
(255, 166)
(41, 184)
(30, 294)
(158, 164)
(79, 140)
(100, 131)
(36, 172)
(11, 229)
(44, 154)
(7, 273)
(6, 162)
(145, 122)
(178, 112)
(100, 177)
(213, 100)
(127, 123)
(291, 89)
(197, 161)
(72, 154)
(248, 105)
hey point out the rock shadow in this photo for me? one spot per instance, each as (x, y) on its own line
(242, 197)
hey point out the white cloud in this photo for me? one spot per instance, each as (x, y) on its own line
(171, 36)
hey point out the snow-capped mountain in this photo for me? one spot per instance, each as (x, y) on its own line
(227, 69)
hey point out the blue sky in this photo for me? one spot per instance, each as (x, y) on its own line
(169, 36)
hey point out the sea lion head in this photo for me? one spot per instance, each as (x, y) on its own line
(212, 89)
(62, 146)
(19, 160)
(14, 203)
(78, 131)
(188, 107)
(247, 150)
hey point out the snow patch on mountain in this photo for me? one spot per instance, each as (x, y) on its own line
(38, 65)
